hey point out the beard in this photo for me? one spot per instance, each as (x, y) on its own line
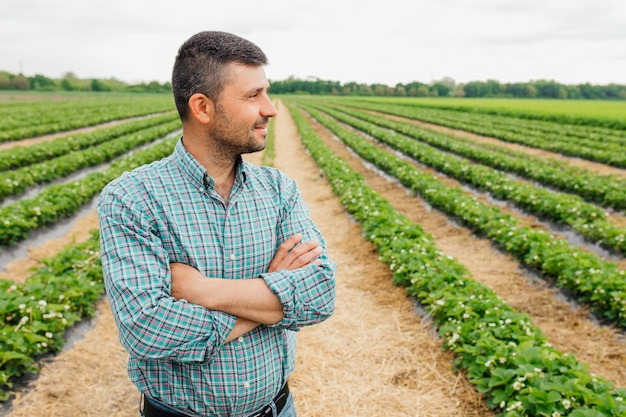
(233, 138)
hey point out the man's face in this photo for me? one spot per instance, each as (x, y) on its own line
(243, 111)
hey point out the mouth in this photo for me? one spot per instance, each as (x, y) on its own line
(261, 127)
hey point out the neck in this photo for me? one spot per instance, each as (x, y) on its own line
(219, 163)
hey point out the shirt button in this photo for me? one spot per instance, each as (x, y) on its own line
(240, 339)
(246, 384)
(233, 256)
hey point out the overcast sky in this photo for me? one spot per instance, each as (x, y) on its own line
(385, 41)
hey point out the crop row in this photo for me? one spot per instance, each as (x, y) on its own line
(595, 138)
(508, 359)
(24, 120)
(34, 315)
(592, 280)
(20, 156)
(59, 201)
(16, 181)
(606, 190)
(614, 156)
(595, 115)
(585, 218)
(515, 120)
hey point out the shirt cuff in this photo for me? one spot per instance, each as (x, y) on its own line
(281, 285)
(203, 349)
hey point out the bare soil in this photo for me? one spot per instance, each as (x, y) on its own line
(374, 356)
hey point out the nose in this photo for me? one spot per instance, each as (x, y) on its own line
(268, 109)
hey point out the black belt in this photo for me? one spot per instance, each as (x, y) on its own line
(151, 410)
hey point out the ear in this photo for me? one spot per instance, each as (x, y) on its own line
(201, 108)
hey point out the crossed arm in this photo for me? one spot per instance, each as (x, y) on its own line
(250, 300)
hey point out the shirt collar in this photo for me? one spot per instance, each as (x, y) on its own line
(197, 173)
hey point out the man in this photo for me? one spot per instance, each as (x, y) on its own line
(212, 264)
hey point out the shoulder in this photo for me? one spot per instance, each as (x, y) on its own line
(261, 175)
(133, 186)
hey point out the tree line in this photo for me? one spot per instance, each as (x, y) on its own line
(70, 82)
(445, 87)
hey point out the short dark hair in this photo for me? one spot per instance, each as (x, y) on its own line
(201, 65)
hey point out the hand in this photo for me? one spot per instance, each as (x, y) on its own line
(289, 256)
(184, 278)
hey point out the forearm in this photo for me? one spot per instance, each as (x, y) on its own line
(242, 326)
(307, 294)
(249, 299)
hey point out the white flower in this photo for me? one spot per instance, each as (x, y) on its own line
(567, 404)
(516, 405)
(556, 414)
(49, 335)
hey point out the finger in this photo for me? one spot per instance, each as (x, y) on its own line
(285, 248)
(306, 258)
(299, 250)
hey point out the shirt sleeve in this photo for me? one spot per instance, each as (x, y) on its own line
(152, 324)
(307, 294)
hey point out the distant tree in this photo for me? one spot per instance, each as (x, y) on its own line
(20, 82)
(67, 85)
(41, 82)
(379, 89)
(530, 91)
(441, 89)
(612, 91)
(5, 81)
(573, 91)
(400, 91)
(70, 75)
(422, 91)
(459, 90)
(97, 85)
(472, 89)
(547, 89)
(444, 86)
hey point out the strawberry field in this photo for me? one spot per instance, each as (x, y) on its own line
(547, 192)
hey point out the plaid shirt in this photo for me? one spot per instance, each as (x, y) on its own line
(168, 211)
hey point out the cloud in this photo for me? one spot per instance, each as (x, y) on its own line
(351, 40)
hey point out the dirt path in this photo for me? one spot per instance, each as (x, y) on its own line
(374, 356)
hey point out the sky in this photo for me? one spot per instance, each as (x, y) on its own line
(366, 41)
